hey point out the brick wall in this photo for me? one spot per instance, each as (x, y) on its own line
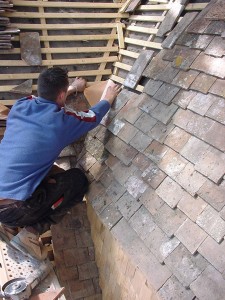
(120, 275)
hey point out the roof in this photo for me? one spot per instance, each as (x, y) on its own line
(157, 162)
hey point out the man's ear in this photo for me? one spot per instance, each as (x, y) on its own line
(61, 98)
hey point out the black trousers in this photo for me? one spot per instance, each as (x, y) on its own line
(49, 203)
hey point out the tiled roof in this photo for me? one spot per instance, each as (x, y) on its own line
(157, 169)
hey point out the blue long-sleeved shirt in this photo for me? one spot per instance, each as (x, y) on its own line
(37, 130)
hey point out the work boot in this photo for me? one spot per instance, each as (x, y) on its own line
(28, 243)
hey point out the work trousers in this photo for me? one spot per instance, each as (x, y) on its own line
(49, 203)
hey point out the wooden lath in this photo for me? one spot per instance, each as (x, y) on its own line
(65, 43)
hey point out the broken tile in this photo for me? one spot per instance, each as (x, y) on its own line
(178, 30)
(24, 88)
(137, 69)
(30, 48)
(170, 19)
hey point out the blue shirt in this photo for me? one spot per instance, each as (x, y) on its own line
(37, 130)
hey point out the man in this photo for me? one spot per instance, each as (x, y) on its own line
(38, 128)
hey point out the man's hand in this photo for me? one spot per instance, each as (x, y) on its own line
(78, 85)
(111, 93)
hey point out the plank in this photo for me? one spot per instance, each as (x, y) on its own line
(141, 29)
(147, 18)
(120, 36)
(137, 69)
(84, 37)
(196, 6)
(64, 4)
(120, 80)
(65, 26)
(143, 43)
(65, 15)
(45, 32)
(55, 62)
(129, 53)
(67, 50)
(71, 74)
(157, 7)
(122, 66)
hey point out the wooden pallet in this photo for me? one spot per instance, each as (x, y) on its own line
(81, 36)
(140, 33)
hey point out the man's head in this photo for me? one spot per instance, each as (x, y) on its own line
(53, 84)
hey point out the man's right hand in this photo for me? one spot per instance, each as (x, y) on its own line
(111, 93)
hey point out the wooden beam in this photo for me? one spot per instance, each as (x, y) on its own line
(120, 36)
(159, 7)
(129, 53)
(122, 66)
(196, 6)
(58, 62)
(65, 26)
(147, 18)
(141, 29)
(71, 74)
(64, 15)
(66, 4)
(143, 43)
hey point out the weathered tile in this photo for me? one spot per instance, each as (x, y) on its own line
(214, 253)
(216, 12)
(137, 69)
(87, 270)
(75, 256)
(153, 175)
(195, 41)
(173, 289)
(194, 149)
(168, 219)
(30, 48)
(168, 75)
(217, 110)
(190, 180)
(135, 186)
(178, 30)
(183, 98)
(159, 244)
(140, 141)
(185, 266)
(192, 207)
(97, 170)
(156, 66)
(148, 103)
(160, 131)
(115, 126)
(141, 161)
(190, 235)
(151, 201)
(203, 83)
(152, 87)
(215, 135)
(166, 93)
(210, 65)
(127, 132)
(122, 172)
(172, 163)
(120, 149)
(127, 205)
(156, 151)
(209, 285)
(215, 27)
(110, 215)
(216, 47)
(170, 192)
(163, 112)
(212, 223)
(212, 164)
(170, 19)
(177, 138)
(81, 288)
(115, 190)
(185, 78)
(142, 222)
(145, 122)
(213, 194)
(130, 110)
(218, 88)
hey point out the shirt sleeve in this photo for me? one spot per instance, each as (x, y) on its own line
(79, 123)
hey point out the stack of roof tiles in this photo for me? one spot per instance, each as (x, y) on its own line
(158, 166)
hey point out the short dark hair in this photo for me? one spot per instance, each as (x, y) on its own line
(51, 82)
